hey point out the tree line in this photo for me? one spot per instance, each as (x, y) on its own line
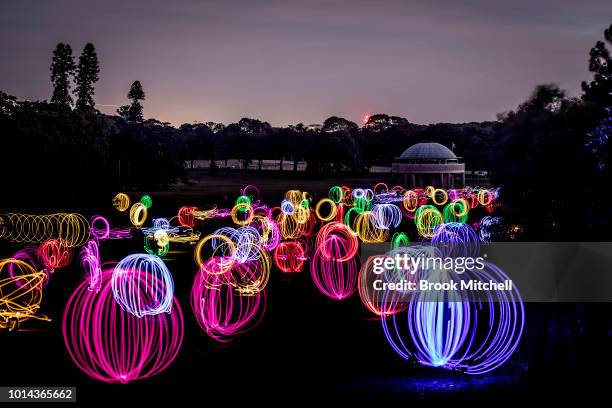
(550, 154)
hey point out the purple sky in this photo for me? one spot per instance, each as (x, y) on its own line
(301, 61)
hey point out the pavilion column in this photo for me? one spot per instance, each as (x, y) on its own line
(412, 180)
(463, 179)
(442, 180)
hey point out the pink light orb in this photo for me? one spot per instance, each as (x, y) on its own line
(221, 310)
(112, 345)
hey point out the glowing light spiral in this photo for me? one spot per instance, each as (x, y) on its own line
(333, 209)
(71, 227)
(99, 227)
(91, 264)
(138, 214)
(121, 202)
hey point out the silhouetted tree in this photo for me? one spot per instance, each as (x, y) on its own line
(133, 112)
(200, 142)
(7, 103)
(336, 124)
(599, 90)
(544, 134)
(382, 131)
(62, 68)
(87, 75)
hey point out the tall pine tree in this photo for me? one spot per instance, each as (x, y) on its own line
(87, 75)
(62, 69)
(133, 112)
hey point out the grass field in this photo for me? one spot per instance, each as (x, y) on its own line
(202, 187)
(221, 188)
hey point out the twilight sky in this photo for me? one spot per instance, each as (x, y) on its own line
(287, 61)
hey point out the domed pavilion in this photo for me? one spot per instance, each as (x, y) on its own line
(429, 164)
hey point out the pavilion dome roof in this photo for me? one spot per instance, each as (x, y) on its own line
(428, 151)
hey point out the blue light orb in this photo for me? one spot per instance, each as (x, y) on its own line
(142, 285)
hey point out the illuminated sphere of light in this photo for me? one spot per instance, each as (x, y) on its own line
(455, 239)
(333, 209)
(333, 267)
(146, 200)
(456, 211)
(157, 243)
(290, 256)
(374, 300)
(333, 238)
(387, 216)
(121, 202)
(458, 330)
(220, 309)
(143, 285)
(55, 253)
(287, 207)
(427, 218)
(186, 216)
(111, 345)
(336, 194)
(366, 225)
(268, 231)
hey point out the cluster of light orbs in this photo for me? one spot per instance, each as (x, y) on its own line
(111, 314)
